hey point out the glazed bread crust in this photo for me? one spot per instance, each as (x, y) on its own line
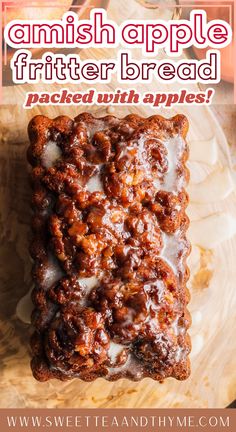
(109, 247)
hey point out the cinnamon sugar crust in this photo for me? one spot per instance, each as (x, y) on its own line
(109, 247)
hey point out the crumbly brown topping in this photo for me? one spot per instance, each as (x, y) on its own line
(109, 201)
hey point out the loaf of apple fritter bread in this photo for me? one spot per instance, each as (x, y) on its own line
(109, 247)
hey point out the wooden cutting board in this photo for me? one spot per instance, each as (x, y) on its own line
(213, 304)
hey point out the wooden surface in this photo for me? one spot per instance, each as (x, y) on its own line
(213, 379)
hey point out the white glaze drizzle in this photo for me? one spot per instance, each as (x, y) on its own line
(52, 272)
(175, 147)
(51, 154)
(114, 350)
(89, 283)
(95, 184)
